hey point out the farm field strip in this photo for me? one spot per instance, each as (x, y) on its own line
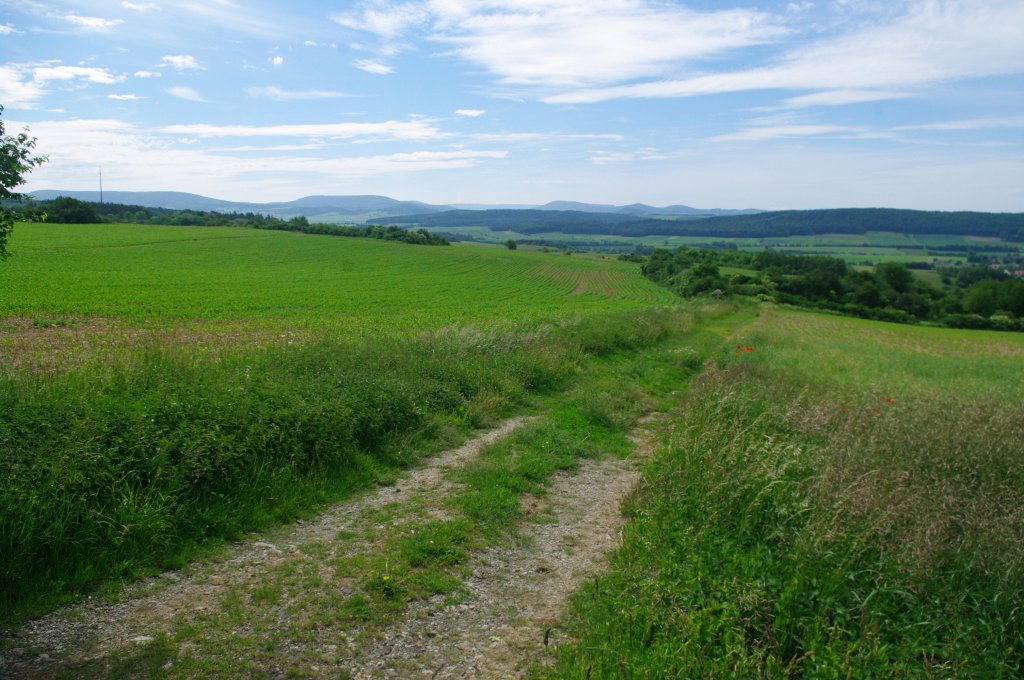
(890, 357)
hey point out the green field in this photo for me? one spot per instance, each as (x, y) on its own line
(835, 498)
(166, 388)
(871, 247)
(163, 274)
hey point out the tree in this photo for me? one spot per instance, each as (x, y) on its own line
(510, 244)
(16, 160)
(67, 210)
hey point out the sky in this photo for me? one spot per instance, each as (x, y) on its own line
(771, 105)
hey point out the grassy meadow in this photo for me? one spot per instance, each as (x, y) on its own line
(166, 388)
(169, 275)
(834, 498)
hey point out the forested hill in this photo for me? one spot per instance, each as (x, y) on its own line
(1008, 226)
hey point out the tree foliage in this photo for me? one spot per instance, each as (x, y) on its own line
(1007, 226)
(16, 161)
(977, 297)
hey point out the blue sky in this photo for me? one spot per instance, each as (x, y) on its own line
(711, 104)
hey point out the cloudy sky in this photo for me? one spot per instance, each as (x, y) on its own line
(805, 104)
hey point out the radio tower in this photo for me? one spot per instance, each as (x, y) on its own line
(101, 185)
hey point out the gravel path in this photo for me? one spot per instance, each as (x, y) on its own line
(516, 595)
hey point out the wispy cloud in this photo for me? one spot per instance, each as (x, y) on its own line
(90, 74)
(470, 113)
(933, 42)
(147, 74)
(16, 89)
(22, 85)
(387, 20)
(373, 66)
(579, 43)
(412, 130)
(276, 60)
(125, 97)
(180, 61)
(776, 131)
(841, 98)
(141, 6)
(139, 159)
(7, 29)
(92, 23)
(970, 124)
(187, 93)
(282, 95)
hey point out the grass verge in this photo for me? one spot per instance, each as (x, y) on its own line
(794, 530)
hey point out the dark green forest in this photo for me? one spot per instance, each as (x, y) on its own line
(1007, 226)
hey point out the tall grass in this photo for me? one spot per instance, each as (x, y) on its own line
(795, 531)
(111, 468)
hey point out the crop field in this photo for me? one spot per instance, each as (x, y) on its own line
(873, 247)
(834, 498)
(166, 275)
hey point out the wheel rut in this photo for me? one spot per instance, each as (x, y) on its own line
(506, 620)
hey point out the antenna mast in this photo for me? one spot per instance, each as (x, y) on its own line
(101, 185)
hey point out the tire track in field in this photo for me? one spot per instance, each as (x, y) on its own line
(92, 630)
(516, 595)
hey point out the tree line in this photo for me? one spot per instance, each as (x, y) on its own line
(66, 210)
(975, 296)
(1007, 226)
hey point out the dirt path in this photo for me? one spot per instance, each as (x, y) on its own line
(509, 615)
(516, 595)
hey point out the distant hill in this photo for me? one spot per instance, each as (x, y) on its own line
(1009, 226)
(334, 208)
(355, 208)
(640, 209)
(173, 200)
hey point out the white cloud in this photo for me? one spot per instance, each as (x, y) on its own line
(371, 66)
(92, 23)
(776, 131)
(16, 90)
(309, 43)
(141, 6)
(579, 43)
(147, 74)
(842, 97)
(971, 124)
(139, 159)
(281, 95)
(125, 97)
(90, 74)
(387, 20)
(415, 130)
(186, 93)
(7, 29)
(276, 60)
(180, 61)
(470, 113)
(933, 42)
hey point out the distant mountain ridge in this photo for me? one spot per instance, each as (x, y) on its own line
(1007, 226)
(361, 208)
(344, 208)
